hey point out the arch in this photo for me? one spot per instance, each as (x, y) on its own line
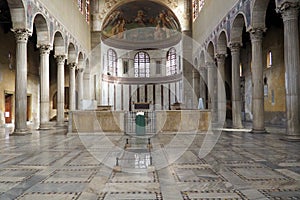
(258, 13)
(237, 29)
(59, 44)
(18, 14)
(81, 60)
(210, 52)
(202, 59)
(222, 43)
(72, 56)
(196, 63)
(42, 29)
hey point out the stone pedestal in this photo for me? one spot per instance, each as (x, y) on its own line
(21, 82)
(289, 13)
(60, 59)
(236, 86)
(44, 82)
(258, 109)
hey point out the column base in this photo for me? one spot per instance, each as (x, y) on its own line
(238, 127)
(61, 125)
(45, 126)
(20, 132)
(259, 131)
(291, 138)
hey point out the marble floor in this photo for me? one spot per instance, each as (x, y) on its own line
(87, 166)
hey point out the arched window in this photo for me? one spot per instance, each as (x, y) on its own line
(141, 65)
(80, 5)
(269, 59)
(87, 10)
(171, 62)
(112, 62)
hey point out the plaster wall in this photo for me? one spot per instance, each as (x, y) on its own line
(211, 14)
(67, 13)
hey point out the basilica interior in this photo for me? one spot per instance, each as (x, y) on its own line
(157, 99)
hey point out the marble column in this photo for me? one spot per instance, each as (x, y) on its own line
(212, 89)
(203, 84)
(60, 59)
(21, 82)
(44, 82)
(289, 13)
(236, 86)
(80, 87)
(72, 90)
(258, 109)
(221, 86)
(86, 83)
(196, 82)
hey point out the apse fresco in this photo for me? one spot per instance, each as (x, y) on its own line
(141, 21)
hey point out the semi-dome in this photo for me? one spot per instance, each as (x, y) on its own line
(141, 24)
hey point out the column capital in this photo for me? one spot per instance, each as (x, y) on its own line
(45, 49)
(256, 34)
(288, 10)
(81, 70)
(72, 65)
(235, 47)
(21, 35)
(60, 59)
(221, 56)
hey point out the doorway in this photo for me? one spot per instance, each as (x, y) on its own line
(8, 108)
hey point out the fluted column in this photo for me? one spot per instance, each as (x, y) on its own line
(236, 86)
(221, 86)
(289, 13)
(44, 82)
(258, 109)
(80, 87)
(60, 59)
(21, 82)
(72, 90)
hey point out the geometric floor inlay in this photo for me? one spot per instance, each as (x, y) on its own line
(16, 175)
(195, 173)
(49, 196)
(71, 176)
(133, 196)
(257, 173)
(213, 194)
(149, 177)
(281, 194)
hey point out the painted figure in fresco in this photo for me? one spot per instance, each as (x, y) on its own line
(140, 18)
(113, 19)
